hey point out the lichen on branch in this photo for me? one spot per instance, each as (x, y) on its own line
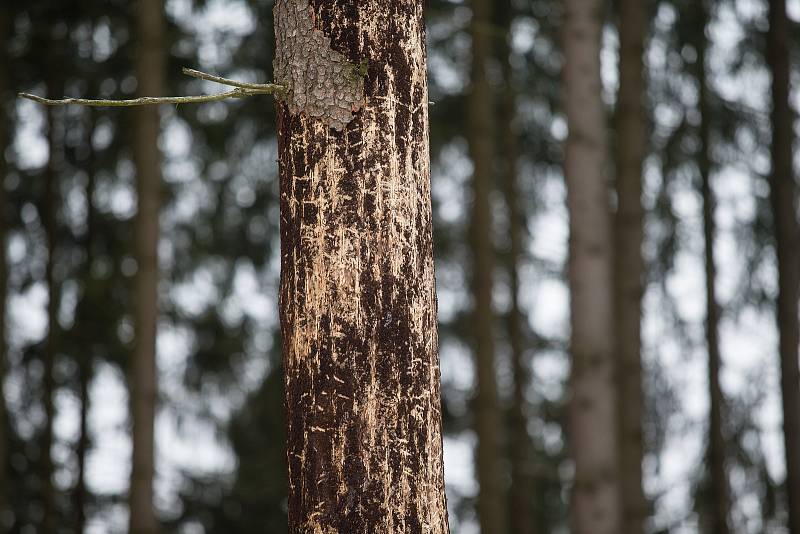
(319, 81)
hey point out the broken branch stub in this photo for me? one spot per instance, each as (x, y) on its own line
(319, 81)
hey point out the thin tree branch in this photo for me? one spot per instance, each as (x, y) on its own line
(275, 88)
(242, 90)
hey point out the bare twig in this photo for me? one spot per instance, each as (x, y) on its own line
(242, 90)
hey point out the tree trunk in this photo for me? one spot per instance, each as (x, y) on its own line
(629, 266)
(5, 483)
(150, 68)
(716, 436)
(85, 359)
(592, 406)
(522, 517)
(787, 237)
(49, 216)
(488, 421)
(358, 300)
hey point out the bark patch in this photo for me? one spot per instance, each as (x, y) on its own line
(319, 81)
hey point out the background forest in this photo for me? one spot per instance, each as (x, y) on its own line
(711, 399)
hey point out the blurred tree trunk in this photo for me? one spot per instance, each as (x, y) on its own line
(358, 299)
(488, 420)
(629, 267)
(5, 434)
(787, 240)
(716, 437)
(49, 215)
(85, 358)
(150, 68)
(592, 408)
(522, 516)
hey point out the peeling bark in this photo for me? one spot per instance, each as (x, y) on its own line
(628, 262)
(150, 68)
(592, 403)
(358, 301)
(787, 237)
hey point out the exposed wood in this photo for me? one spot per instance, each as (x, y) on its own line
(358, 300)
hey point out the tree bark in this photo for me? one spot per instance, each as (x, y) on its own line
(5, 483)
(358, 300)
(787, 238)
(628, 262)
(716, 434)
(488, 428)
(522, 516)
(150, 68)
(592, 405)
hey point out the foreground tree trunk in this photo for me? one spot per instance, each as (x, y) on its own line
(358, 301)
(628, 262)
(592, 406)
(488, 421)
(716, 436)
(150, 68)
(522, 516)
(787, 240)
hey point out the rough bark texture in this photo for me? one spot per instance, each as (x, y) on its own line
(716, 436)
(521, 518)
(488, 420)
(150, 68)
(5, 486)
(787, 238)
(358, 300)
(49, 220)
(629, 265)
(592, 405)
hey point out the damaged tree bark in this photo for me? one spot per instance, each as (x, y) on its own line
(358, 300)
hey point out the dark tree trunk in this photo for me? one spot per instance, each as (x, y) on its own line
(49, 216)
(787, 244)
(150, 68)
(522, 516)
(716, 434)
(592, 405)
(358, 300)
(629, 265)
(5, 485)
(85, 358)
(488, 427)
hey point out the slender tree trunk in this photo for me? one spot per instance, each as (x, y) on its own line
(592, 407)
(628, 262)
(787, 239)
(49, 218)
(85, 359)
(716, 449)
(488, 427)
(358, 299)
(522, 517)
(5, 484)
(150, 68)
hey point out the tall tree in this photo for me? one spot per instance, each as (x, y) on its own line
(491, 502)
(716, 434)
(787, 238)
(49, 218)
(150, 70)
(521, 517)
(592, 405)
(5, 485)
(357, 297)
(631, 145)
